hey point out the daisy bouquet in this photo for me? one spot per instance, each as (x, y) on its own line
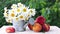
(18, 12)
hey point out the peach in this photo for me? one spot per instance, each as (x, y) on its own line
(37, 27)
(30, 26)
(40, 19)
(46, 27)
(10, 30)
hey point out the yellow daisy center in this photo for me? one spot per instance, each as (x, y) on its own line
(18, 10)
(28, 15)
(12, 14)
(24, 9)
(16, 18)
(21, 16)
(31, 11)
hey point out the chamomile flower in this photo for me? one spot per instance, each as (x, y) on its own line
(16, 19)
(26, 18)
(20, 5)
(29, 15)
(25, 10)
(12, 15)
(8, 20)
(32, 12)
(14, 6)
(21, 17)
(5, 14)
(12, 11)
(18, 10)
(5, 9)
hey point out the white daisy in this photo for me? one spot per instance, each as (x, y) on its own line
(16, 19)
(20, 5)
(8, 20)
(5, 9)
(28, 15)
(32, 12)
(12, 15)
(14, 6)
(24, 10)
(12, 11)
(5, 14)
(18, 11)
(21, 17)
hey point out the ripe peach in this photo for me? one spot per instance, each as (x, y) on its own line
(40, 19)
(30, 26)
(37, 27)
(46, 27)
(10, 30)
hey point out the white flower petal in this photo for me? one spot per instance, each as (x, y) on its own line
(20, 5)
(32, 12)
(14, 6)
(8, 20)
(5, 9)
(5, 14)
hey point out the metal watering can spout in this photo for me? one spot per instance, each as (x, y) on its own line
(30, 21)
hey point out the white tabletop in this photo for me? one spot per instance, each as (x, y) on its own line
(53, 30)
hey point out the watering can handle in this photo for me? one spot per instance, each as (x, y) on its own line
(30, 21)
(25, 25)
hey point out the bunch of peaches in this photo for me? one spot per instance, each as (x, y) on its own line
(39, 25)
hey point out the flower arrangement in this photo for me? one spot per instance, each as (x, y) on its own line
(18, 12)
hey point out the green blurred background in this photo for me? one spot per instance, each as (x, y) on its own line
(50, 9)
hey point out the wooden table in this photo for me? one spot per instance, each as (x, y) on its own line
(53, 30)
